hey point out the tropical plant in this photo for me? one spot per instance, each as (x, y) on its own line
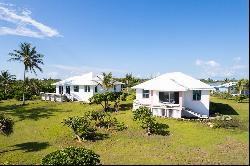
(106, 81)
(5, 80)
(242, 84)
(104, 99)
(148, 122)
(30, 58)
(72, 156)
(240, 98)
(6, 125)
(81, 127)
(105, 120)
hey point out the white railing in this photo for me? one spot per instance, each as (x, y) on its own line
(53, 97)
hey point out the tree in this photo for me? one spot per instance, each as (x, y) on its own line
(5, 80)
(6, 125)
(30, 58)
(105, 98)
(148, 122)
(81, 127)
(226, 80)
(242, 84)
(106, 81)
(128, 80)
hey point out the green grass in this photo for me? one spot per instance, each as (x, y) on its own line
(38, 131)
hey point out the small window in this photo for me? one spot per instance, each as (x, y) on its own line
(145, 93)
(60, 89)
(114, 88)
(87, 88)
(196, 95)
(96, 90)
(76, 88)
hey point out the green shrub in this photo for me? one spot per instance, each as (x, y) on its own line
(6, 125)
(72, 156)
(227, 124)
(148, 122)
(240, 98)
(105, 120)
(81, 127)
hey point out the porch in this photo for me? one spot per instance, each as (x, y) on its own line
(53, 97)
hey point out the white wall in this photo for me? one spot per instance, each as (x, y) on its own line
(201, 106)
(84, 96)
(142, 100)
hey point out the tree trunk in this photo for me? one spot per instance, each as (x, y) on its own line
(24, 87)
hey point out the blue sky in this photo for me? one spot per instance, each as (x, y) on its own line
(202, 38)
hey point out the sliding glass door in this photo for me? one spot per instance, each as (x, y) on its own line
(169, 97)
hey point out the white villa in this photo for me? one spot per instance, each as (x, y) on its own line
(174, 95)
(79, 88)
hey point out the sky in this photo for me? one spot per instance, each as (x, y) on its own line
(202, 38)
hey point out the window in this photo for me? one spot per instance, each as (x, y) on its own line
(96, 90)
(196, 95)
(87, 88)
(60, 89)
(169, 97)
(145, 93)
(76, 88)
(114, 88)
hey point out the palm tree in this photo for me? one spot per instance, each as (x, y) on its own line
(6, 79)
(128, 79)
(106, 81)
(242, 84)
(30, 58)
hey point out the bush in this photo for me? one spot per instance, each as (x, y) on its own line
(81, 127)
(6, 125)
(148, 122)
(72, 156)
(240, 98)
(228, 124)
(104, 120)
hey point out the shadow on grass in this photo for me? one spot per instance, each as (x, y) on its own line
(28, 147)
(126, 107)
(97, 137)
(161, 129)
(22, 112)
(221, 108)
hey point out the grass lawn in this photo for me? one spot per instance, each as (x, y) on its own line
(38, 131)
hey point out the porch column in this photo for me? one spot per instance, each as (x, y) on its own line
(152, 97)
(181, 97)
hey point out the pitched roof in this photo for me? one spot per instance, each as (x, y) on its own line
(85, 79)
(175, 81)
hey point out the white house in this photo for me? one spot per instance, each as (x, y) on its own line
(83, 87)
(174, 95)
(229, 87)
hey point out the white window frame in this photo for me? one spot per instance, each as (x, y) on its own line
(76, 87)
(145, 94)
(87, 88)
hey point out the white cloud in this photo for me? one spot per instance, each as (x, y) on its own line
(23, 22)
(211, 63)
(212, 68)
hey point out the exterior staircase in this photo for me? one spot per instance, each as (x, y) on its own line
(196, 114)
(72, 97)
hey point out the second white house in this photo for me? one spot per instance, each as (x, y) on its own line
(174, 95)
(83, 87)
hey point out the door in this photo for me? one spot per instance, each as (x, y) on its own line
(68, 89)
